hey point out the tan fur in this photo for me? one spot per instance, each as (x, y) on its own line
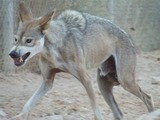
(25, 13)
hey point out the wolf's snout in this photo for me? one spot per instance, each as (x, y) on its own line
(19, 59)
(14, 54)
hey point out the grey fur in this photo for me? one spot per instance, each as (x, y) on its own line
(76, 42)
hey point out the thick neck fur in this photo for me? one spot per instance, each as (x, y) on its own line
(54, 36)
(55, 32)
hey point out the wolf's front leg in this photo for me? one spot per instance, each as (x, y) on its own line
(48, 78)
(46, 85)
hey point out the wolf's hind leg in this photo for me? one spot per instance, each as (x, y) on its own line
(106, 88)
(125, 66)
(83, 77)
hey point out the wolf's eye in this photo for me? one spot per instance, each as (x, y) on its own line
(29, 40)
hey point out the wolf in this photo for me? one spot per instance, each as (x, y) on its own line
(74, 42)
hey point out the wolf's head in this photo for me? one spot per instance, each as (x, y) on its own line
(29, 39)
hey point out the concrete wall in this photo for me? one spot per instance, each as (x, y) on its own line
(140, 18)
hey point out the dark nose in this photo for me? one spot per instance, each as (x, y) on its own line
(14, 54)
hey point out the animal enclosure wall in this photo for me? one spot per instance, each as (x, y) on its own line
(140, 18)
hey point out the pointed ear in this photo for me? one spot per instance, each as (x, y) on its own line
(24, 12)
(42, 21)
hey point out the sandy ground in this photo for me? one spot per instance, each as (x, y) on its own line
(68, 100)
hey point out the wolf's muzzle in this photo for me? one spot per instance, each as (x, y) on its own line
(19, 60)
(14, 54)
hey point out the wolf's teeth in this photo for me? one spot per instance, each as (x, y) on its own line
(20, 59)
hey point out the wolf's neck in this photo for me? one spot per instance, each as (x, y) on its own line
(54, 37)
(56, 31)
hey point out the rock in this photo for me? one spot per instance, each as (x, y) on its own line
(158, 59)
(2, 113)
(57, 117)
(140, 78)
(54, 117)
(155, 115)
(69, 117)
(156, 80)
(83, 109)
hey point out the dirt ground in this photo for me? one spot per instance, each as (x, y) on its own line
(68, 100)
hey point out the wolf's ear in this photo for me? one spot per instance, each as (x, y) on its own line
(24, 12)
(42, 21)
(46, 19)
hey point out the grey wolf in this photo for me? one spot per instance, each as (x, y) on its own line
(75, 42)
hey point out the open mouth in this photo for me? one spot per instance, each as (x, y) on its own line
(21, 60)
